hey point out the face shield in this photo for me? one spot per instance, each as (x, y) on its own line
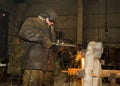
(52, 15)
(52, 20)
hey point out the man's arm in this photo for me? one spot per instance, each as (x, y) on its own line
(33, 31)
(30, 32)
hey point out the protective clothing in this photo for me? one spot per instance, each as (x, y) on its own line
(36, 34)
(38, 38)
(49, 13)
(38, 78)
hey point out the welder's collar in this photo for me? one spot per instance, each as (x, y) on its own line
(40, 17)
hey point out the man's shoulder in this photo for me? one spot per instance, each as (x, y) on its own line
(31, 18)
(34, 19)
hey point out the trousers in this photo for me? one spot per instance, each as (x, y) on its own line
(38, 78)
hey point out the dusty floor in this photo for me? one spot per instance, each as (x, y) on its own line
(60, 80)
(58, 84)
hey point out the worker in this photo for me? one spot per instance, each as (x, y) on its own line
(38, 62)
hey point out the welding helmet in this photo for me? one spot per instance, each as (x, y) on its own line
(50, 13)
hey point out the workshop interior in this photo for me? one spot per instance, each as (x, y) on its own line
(87, 46)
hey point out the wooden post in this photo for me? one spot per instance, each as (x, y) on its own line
(113, 79)
(89, 62)
(80, 22)
(98, 50)
(92, 64)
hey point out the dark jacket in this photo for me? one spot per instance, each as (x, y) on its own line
(39, 55)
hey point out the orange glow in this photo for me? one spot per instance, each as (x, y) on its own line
(82, 63)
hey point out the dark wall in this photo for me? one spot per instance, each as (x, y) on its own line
(99, 15)
(4, 34)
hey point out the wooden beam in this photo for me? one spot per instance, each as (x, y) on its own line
(107, 73)
(103, 73)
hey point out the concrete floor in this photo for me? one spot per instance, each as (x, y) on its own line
(58, 84)
(60, 80)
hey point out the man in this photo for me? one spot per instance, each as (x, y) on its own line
(38, 63)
